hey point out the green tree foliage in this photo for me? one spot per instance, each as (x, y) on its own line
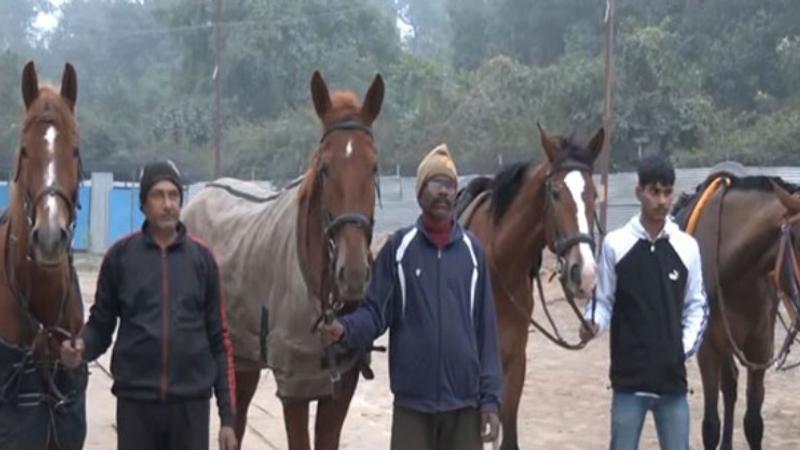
(701, 81)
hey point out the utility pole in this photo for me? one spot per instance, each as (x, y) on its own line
(217, 77)
(605, 154)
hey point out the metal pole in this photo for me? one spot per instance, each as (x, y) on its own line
(605, 155)
(217, 77)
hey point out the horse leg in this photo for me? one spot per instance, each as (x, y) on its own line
(331, 413)
(514, 380)
(729, 375)
(708, 360)
(760, 348)
(295, 418)
(753, 423)
(246, 384)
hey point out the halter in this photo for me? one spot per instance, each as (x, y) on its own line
(331, 305)
(562, 244)
(70, 199)
(37, 329)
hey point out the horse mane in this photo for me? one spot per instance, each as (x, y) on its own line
(761, 183)
(467, 194)
(344, 106)
(507, 182)
(574, 152)
(505, 187)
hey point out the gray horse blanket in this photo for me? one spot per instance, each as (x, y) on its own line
(271, 311)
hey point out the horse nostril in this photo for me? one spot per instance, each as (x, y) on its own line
(575, 274)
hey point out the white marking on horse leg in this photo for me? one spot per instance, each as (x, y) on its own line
(576, 185)
(348, 151)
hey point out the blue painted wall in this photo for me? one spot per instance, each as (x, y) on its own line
(125, 214)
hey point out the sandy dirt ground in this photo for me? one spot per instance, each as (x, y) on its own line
(565, 402)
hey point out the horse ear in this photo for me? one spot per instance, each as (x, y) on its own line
(69, 85)
(596, 144)
(30, 84)
(551, 147)
(789, 201)
(320, 95)
(373, 100)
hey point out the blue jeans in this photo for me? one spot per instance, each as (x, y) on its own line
(671, 414)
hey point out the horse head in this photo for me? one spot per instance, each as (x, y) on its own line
(343, 177)
(48, 169)
(570, 208)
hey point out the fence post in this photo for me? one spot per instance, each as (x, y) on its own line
(102, 183)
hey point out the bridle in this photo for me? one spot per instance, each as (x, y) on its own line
(331, 304)
(332, 224)
(36, 328)
(71, 200)
(560, 245)
(787, 263)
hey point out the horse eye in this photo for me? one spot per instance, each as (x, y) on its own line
(323, 171)
(76, 152)
(556, 194)
(23, 152)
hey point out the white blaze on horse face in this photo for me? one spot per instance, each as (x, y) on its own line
(50, 175)
(348, 151)
(576, 185)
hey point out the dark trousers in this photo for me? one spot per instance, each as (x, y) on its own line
(450, 430)
(162, 426)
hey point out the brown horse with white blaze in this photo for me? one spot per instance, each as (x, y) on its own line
(293, 258)
(524, 209)
(41, 404)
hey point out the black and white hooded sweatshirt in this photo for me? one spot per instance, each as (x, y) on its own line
(650, 292)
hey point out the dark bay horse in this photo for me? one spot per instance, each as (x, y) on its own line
(746, 232)
(524, 209)
(292, 258)
(41, 404)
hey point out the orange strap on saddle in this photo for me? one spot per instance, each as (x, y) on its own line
(712, 188)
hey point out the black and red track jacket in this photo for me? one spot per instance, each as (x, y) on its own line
(173, 342)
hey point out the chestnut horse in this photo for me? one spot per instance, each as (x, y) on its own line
(526, 208)
(293, 258)
(42, 405)
(747, 234)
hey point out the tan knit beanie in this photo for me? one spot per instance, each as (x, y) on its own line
(437, 162)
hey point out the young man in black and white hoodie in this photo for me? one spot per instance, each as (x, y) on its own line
(650, 294)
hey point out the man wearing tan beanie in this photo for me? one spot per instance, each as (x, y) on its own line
(431, 286)
(437, 162)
